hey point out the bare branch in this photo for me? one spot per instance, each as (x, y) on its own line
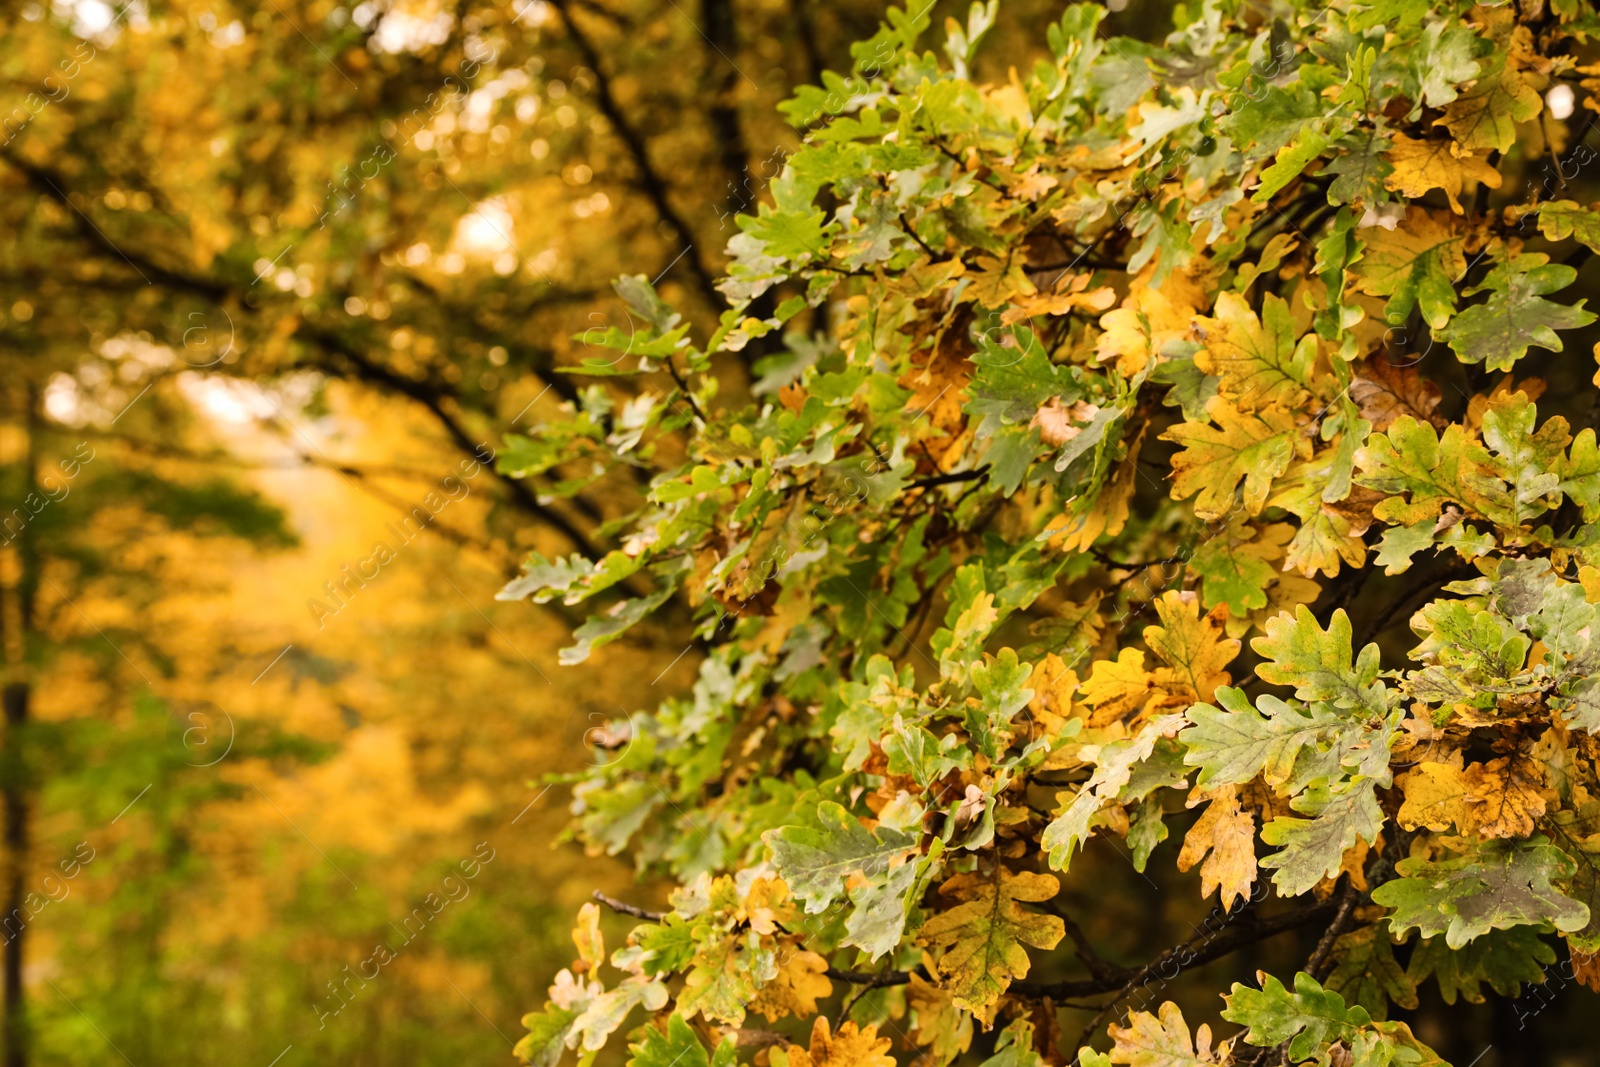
(654, 186)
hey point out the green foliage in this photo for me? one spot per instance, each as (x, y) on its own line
(1313, 1021)
(958, 633)
(1497, 886)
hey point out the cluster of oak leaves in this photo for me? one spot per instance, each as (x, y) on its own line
(1140, 303)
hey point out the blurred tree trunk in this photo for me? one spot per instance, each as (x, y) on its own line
(16, 592)
(16, 815)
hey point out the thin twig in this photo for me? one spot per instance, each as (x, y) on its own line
(947, 479)
(1321, 961)
(683, 386)
(624, 908)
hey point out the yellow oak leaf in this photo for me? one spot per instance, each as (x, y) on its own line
(1254, 448)
(1071, 293)
(998, 281)
(1053, 684)
(937, 1025)
(1325, 537)
(1506, 796)
(1585, 967)
(1589, 578)
(768, 904)
(1436, 797)
(1194, 647)
(1117, 689)
(800, 982)
(1224, 837)
(939, 385)
(1105, 516)
(979, 617)
(1423, 165)
(984, 939)
(586, 935)
(1148, 319)
(1257, 359)
(1352, 863)
(1033, 185)
(1287, 592)
(1486, 116)
(1160, 1041)
(851, 1047)
(1416, 263)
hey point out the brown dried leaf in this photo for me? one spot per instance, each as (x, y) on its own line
(1384, 392)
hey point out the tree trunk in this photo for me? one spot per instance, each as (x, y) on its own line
(15, 699)
(17, 562)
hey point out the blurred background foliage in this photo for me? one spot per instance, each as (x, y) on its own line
(272, 276)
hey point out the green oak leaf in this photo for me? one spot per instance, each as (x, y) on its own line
(1146, 830)
(817, 862)
(1012, 378)
(677, 1047)
(1561, 219)
(1400, 543)
(1485, 117)
(1234, 745)
(1470, 655)
(1318, 664)
(601, 1017)
(1502, 959)
(1516, 317)
(1312, 1020)
(1359, 173)
(1416, 264)
(1528, 461)
(1313, 849)
(1580, 475)
(1497, 885)
(1234, 567)
(1442, 61)
(1411, 458)
(1308, 144)
(1014, 1048)
(546, 1038)
(914, 750)
(1114, 767)
(1002, 693)
(1365, 972)
(1578, 835)
(879, 917)
(1191, 388)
